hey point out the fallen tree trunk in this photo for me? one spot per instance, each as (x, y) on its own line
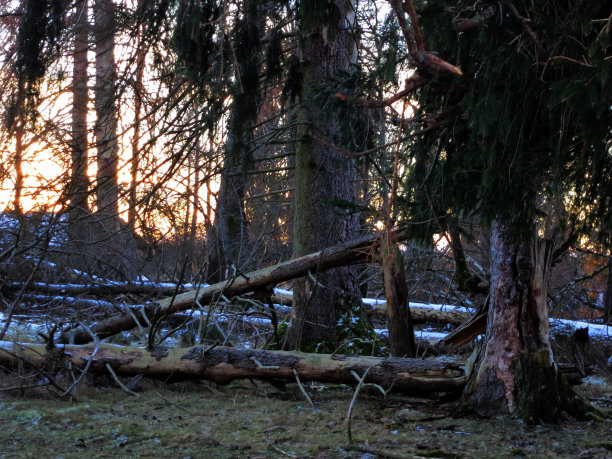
(225, 364)
(422, 315)
(358, 251)
(418, 314)
(103, 288)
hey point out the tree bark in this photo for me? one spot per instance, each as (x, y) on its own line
(353, 252)
(323, 175)
(608, 296)
(106, 114)
(116, 251)
(223, 365)
(231, 223)
(399, 322)
(78, 211)
(515, 371)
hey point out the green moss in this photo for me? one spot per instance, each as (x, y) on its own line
(245, 419)
(600, 444)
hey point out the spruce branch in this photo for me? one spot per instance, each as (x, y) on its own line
(412, 84)
(412, 33)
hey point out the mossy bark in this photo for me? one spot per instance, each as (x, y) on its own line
(515, 371)
(323, 175)
(225, 364)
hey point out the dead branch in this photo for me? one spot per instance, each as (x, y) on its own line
(358, 251)
(420, 57)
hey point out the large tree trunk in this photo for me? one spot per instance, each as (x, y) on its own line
(357, 251)
(515, 372)
(223, 364)
(323, 175)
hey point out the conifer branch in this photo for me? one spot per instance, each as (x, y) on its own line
(465, 24)
(412, 33)
(412, 84)
(525, 25)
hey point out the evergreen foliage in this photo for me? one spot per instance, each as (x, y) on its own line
(194, 36)
(535, 114)
(40, 28)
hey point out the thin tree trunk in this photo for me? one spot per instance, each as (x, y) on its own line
(231, 223)
(79, 184)
(399, 321)
(608, 296)
(135, 144)
(19, 151)
(116, 247)
(464, 279)
(106, 113)
(323, 175)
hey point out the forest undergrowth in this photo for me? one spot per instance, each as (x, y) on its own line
(256, 419)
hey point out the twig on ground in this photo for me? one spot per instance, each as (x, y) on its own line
(350, 410)
(114, 375)
(299, 383)
(89, 361)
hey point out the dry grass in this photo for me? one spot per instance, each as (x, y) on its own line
(257, 420)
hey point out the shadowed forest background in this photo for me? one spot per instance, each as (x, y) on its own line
(237, 178)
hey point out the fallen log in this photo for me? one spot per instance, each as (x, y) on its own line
(99, 289)
(424, 314)
(357, 251)
(225, 364)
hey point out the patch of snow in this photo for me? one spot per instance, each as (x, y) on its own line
(373, 301)
(595, 330)
(440, 307)
(382, 332)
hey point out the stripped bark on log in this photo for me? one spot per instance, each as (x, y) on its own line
(224, 364)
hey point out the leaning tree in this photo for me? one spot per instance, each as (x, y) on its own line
(524, 136)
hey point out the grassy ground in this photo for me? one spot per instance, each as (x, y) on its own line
(258, 420)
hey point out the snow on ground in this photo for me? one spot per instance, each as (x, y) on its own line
(425, 335)
(595, 330)
(558, 325)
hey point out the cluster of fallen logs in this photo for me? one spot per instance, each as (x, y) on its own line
(223, 364)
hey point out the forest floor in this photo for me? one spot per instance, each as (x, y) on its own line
(255, 419)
